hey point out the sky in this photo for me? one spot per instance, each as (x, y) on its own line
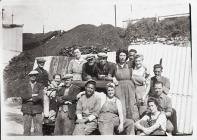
(66, 14)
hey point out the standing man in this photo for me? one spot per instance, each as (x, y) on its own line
(157, 69)
(43, 77)
(165, 103)
(66, 98)
(88, 108)
(106, 70)
(131, 62)
(90, 69)
(32, 105)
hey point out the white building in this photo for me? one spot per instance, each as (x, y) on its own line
(12, 42)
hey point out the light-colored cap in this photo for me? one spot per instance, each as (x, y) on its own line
(40, 59)
(111, 85)
(67, 76)
(102, 54)
(33, 72)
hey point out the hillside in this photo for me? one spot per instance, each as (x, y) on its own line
(83, 35)
(91, 39)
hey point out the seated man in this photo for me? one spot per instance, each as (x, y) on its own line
(90, 69)
(106, 70)
(154, 123)
(165, 103)
(87, 111)
(66, 98)
(158, 77)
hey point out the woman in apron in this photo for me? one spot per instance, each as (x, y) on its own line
(125, 88)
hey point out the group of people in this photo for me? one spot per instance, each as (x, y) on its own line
(132, 103)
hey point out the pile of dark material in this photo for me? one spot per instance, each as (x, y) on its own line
(150, 29)
(91, 38)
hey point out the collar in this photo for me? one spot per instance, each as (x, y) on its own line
(111, 100)
(162, 96)
(32, 83)
(125, 65)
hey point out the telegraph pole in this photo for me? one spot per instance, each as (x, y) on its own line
(43, 29)
(115, 13)
(12, 18)
(2, 14)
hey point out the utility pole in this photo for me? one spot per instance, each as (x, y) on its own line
(2, 14)
(12, 18)
(115, 13)
(43, 29)
(43, 48)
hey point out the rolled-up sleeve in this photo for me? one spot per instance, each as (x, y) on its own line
(168, 105)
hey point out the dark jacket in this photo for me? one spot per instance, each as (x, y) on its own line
(42, 77)
(108, 68)
(72, 97)
(88, 70)
(35, 105)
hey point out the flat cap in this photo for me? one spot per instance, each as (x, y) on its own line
(33, 72)
(90, 56)
(67, 76)
(40, 59)
(133, 50)
(90, 82)
(102, 54)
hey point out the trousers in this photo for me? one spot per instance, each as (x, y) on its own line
(37, 121)
(85, 129)
(63, 124)
(109, 128)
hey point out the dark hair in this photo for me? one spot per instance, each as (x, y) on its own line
(132, 50)
(56, 75)
(118, 53)
(154, 100)
(75, 47)
(91, 82)
(157, 66)
(158, 82)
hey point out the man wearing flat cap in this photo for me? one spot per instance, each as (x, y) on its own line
(106, 70)
(158, 69)
(88, 108)
(32, 104)
(90, 69)
(66, 98)
(42, 77)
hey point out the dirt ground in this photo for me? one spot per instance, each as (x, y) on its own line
(13, 119)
